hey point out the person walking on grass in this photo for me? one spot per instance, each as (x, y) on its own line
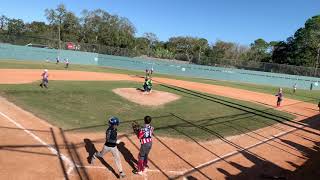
(280, 97)
(145, 136)
(111, 145)
(45, 81)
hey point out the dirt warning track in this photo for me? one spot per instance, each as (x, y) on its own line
(33, 149)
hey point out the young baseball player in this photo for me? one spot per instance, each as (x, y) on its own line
(111, 144)
(147, 86)
(45, 81)
(280, 97)
(66, 61)
(145, 137)
(295, 88)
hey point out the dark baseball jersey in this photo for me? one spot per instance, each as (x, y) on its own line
(111, 137)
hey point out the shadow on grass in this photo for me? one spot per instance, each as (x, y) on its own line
(261, 113)
(259, 162)
(101, 125)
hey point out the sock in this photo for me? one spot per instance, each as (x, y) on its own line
(140, 165)
(145, 162)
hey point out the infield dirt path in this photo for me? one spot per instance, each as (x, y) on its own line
(28, 145)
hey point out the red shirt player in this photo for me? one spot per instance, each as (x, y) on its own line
(45, 81)
(145, 137)
(280, 97)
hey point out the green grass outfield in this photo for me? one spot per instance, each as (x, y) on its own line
(302, 95)
(85, 106)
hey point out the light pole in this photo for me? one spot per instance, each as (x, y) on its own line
(59, 36)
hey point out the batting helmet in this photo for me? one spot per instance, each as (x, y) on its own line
(114, 121)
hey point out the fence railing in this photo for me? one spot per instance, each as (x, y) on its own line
(262, 66)
(116, 51)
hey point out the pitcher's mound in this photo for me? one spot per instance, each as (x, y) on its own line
(155, 98)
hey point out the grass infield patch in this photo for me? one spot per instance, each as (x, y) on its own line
(86, 106)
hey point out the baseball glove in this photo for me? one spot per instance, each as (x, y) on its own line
(135, 128)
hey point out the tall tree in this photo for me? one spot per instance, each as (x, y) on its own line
(201, 46)
(152, 38)
(141, 45)
(3, 23)
(15, 26)
(70, 27)
(56, 17)
(103, 28)
(36, 28)
(183, 45)
(303, 47)
(259, 51)
(227, 50)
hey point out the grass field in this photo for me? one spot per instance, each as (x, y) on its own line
(302, 95)
(85, 106)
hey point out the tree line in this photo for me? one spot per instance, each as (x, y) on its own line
(98, 28)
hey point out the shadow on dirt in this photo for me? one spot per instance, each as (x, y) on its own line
(91, 149)
(126, 153)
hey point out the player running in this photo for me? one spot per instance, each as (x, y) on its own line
(45, 81)
(280, 97)
(111, 145)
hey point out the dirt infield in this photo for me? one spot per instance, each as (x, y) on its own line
(155, 98)
(31, 148)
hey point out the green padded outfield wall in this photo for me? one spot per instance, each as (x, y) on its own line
(8, 51)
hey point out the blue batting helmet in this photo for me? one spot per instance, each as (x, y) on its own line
(114, 121)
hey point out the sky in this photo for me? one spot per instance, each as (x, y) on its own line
(240, 21)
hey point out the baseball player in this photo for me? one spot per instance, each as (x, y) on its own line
(147, 86)
(295, 88)
(111, 144)
(66, 61)
(280, 97)
(45, 81)
(145, 137)
(149, 72)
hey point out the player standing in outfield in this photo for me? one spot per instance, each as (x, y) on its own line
(111, 144)
(45, 81)
(280, 97)
(295, 88)
(145, 136)
(66, 61)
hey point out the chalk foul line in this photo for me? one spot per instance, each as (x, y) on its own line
(37, 138)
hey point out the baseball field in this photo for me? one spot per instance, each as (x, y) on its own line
(204, 129)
